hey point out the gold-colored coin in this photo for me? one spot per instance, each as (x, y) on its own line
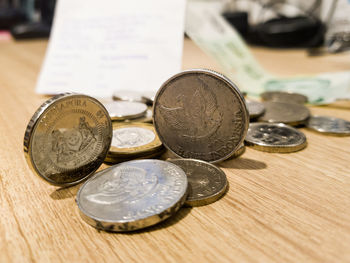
(131, 140)
(68, 138)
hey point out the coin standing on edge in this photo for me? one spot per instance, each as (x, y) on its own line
(206, 182)
(237, 153)
(280, 96)
(200, 114)
(255, 109)
(329, 125)
(275, 138)
(287, 113)
(132, 195)
(121, 110)
(67, 138)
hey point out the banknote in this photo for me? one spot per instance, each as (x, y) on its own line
(210, 31)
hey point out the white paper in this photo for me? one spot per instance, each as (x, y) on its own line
(97, 47)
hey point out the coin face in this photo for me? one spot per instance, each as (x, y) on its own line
(282, 112)
(255, 109)
(280, 96)
(132, 195)
(200, 114)
(121, 110)
(329, 125)
(271, 137)
(68, 138)
(206, 182)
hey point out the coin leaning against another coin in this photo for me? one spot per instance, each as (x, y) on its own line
(206, 182)
(132, 195)
(67, 138)
(200, 114)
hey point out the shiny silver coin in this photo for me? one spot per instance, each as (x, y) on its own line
(281, 112)
(255, 109)
(280, 96)
(122, 110)
(128, 95)
(329, 125)
(278, 138)
(206, 182)
(200, 114)
(132, 195)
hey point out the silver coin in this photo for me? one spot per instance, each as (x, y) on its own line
(329, 125)
(255, 109)
(281, 96)
(128, 95)
(281, 112)
(206, 182)
(132, 195)
(200, 114)
(132, 137)
(272, 137)
(148, 97)
(121, 110)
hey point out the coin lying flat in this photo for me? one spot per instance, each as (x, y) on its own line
(255, 109)
(281, 96)
(147, 118)
(206, 182)
(132, 195)
(272, 137)
(329, 125)
(127, 95)
(67, 138)
(200, 114)
(121, 110)
(282, 112)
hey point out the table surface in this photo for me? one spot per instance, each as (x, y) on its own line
(279, 207)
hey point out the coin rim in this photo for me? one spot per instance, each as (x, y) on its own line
(31, 127)
(229, 83)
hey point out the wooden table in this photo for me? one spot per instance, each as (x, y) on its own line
(279, 208)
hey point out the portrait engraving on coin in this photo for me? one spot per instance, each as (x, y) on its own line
(132, 137)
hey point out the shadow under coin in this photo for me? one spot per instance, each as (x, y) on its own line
(65, 192)
(243, 163)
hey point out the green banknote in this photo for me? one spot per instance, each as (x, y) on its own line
(210, 31)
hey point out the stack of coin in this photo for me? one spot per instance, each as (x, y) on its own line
(133, 141)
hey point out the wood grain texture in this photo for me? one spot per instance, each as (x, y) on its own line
(279, 208)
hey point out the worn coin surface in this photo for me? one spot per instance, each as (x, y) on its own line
(200, 114)
(255, 109)
(281, 96)
(206, 182)
(272, 137)
(132, 195)
(121, 110)
(329, 125)
(68, 138)
(281, 112)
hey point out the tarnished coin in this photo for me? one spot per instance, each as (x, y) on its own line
(128, 95)
(206, 182)
(121, 110)
(132, 195)
(281, 96)
(200, 114)
(238, 153)
(329, 125)
(68, 138)
(272, 137)
(281, 112)
(255, 109)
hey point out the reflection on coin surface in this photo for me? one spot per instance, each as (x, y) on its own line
(281, 96)
(282, 112)
(121, 110)
(255, 109)
(132, 195)
(206, 182)
(127, 95)
(272, 137)
(329, 125)
(200, 114)
(68, 138)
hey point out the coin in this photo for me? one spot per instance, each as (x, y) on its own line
(255, 109)
(206, 182)
(272, 137)
(280, 96)
(67, 138)
(148, 97)
(329, 125)
(147, 118)
(110, 159)
(237, 153)
(128, 95)
(121, 110)
(132, 195)
(200, 114)
(282, 112)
